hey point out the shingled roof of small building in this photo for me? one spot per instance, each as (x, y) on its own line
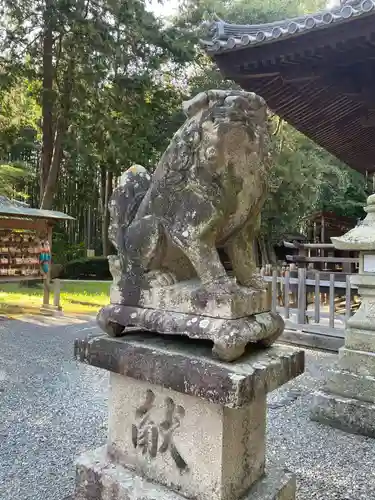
(316, 71)
(228, 37)
(17, 209)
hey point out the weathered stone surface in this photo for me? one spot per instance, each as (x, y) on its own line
(347, 400)
(229, 336)
(115, 270)
(362, 237)
(226, 301)
(188, 368)
(97, 478)
(360, 339)
(185, 420)
(360, 362)
(347, 414)
(277, 484)
(100, 479)
(351, 385)
(203, 450)
(206, 193)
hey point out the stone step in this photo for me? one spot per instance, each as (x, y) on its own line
(359, 362)
(347, 414)
(98, 478)
(360, 340)
(350, 385)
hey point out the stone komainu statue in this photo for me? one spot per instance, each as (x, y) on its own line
(206, 192)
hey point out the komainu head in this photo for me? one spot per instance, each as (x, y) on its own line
(224, 129)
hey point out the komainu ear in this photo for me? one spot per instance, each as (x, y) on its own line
(196, 104)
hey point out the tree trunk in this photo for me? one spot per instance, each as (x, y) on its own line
(263, 251)
(271, 253)
(50, 186)
(47, 96)
(61, 129)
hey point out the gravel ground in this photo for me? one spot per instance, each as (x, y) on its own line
(52, 409)
(329, 464)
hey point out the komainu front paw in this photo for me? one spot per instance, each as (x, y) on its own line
(255, 281)
(160, 279)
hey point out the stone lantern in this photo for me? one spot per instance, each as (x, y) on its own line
(347, 400)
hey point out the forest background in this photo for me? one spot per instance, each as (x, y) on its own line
(89, 87)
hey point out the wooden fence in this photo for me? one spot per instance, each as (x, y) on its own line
(314, 304)
(322, 256)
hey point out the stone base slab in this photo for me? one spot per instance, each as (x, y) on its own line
(360, 362)
(308, 339)
(217, 300)
(97, 478)
(277, 484)
(229, 336)
(188, 367)
(359, 339)
(227, 300)
(351, 385)
(349, 415)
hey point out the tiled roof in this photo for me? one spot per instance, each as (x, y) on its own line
(225, 37)
(17, 209)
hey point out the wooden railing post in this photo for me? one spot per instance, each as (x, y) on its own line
(317, 298)
(274, 290)
(287, 294)
(331, 300)
(348, 298)
(46, 290)
(56, 293)
(301, 296)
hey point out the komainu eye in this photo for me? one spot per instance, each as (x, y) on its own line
(210, 153)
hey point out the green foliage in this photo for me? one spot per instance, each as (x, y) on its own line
(19, 118)
(305, 178)
(64, 250)
(94, 268)
(11, 178)
(102, 88)
(118, 78)
(76, 298)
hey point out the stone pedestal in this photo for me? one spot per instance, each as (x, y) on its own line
(183, 425)
(347, 400)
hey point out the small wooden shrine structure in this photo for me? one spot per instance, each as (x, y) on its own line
(321, 226)
(316, 71)
(21, 231)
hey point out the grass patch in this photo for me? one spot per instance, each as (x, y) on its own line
(75, 298)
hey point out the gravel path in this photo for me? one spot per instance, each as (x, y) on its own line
(52, 409)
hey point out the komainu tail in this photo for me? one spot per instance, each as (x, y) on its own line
(125, 200)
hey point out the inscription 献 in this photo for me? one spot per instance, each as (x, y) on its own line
(152, 437)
